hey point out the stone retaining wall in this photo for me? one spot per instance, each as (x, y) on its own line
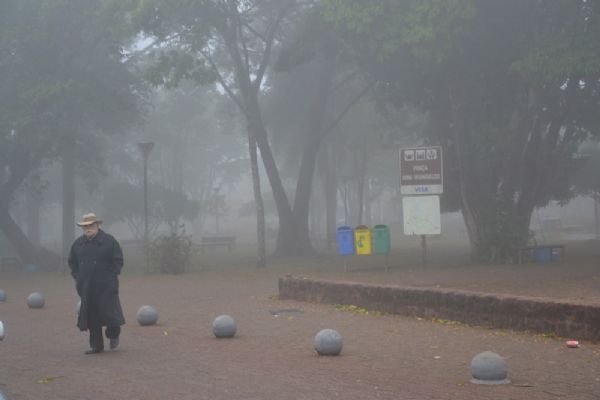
(567, 320)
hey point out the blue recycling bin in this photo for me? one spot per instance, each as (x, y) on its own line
(32, 268)
(345, 239)
(542, 254)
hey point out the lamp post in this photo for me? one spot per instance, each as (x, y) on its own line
(216, 205)
(146, 148)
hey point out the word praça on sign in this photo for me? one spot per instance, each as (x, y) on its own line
(421, 171)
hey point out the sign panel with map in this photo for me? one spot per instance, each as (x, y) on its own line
(421, 215)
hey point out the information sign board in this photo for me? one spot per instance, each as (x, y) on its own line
(421, 170)
(421, 215)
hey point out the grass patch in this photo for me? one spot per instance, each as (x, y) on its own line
(356, 309)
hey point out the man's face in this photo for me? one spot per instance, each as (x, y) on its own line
(90, 230)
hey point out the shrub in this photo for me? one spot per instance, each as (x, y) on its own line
(171, 254)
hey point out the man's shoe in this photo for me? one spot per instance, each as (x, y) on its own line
(114, 343)
(94, 351)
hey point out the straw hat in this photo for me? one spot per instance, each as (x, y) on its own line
(89, 219)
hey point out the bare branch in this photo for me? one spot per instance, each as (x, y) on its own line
(269, 43)
(240, 34)
(350, 76)
(255, 32)
(223, 83)
(350, 104)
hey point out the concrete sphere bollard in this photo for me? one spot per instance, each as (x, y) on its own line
(147, 315)
(328, 342)
(2, 295)
(1, 330)
(224, 326)
(36, 300)
(488, 368)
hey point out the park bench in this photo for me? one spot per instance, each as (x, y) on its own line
(9, 263)
(208, 241)
(136, 243)
(540, 253)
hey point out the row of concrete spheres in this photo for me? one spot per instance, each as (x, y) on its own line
(486, 367)
(327, 341)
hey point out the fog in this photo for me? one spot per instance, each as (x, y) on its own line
(324, 101)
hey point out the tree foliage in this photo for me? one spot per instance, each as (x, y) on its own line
(123, 202)
(511, 87)
(587, 179)
(62, 80)
(235, 41)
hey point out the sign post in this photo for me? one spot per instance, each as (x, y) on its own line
(421, 183)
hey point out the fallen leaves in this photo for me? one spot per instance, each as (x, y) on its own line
(44, 380)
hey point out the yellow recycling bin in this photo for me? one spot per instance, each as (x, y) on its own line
(362, 240)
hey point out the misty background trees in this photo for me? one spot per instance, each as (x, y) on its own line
(293, 109)
(63, 84)
(511, 89)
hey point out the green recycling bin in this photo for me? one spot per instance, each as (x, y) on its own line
(381, 239)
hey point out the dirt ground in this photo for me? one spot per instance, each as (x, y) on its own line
(272, 355)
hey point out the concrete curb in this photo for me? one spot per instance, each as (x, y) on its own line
(494, 311)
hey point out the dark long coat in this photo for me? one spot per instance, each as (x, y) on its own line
(95, 264)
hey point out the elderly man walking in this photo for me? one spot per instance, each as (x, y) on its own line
(96, 260)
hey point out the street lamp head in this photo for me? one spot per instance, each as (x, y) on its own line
(146, 148)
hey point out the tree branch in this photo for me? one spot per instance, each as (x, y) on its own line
(234, 12)
(271, 31)
(224, 84)
(347, 108)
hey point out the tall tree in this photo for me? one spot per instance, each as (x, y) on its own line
(587, 181)
(62, 79)
(234, 40)
(199, 147)
(512, 88)
(311, 94)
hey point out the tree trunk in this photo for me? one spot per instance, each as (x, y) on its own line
(470, 219)
(303, 192)
(329, 186)
(261, 261)
(288, 243)
(249, 86)
(33, 205)
(497, 209)
(361, 173)
(68, 194)
(25, 249)
(312, 143)
(368, 203)
(596, 198)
